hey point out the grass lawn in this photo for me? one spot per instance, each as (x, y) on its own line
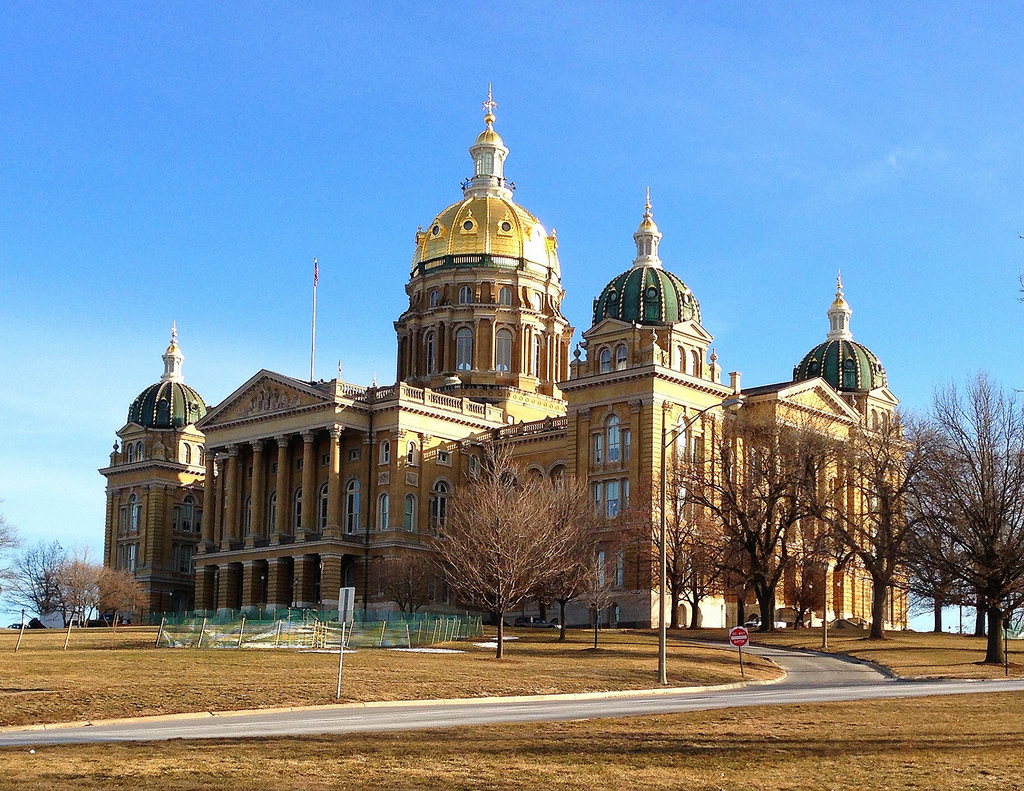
(943, 743)
(92, 680)
(907, 654)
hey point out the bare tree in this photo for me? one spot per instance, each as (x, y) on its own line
(119, 593)
(755, 484)
(598, 584)
(930, 580)
(8, 542)
(35, 580)
(867, 504)
(972, 497)
(572, 515)
(498, 541)
(79, 581)
(409, 579)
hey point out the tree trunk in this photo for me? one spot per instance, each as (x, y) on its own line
(501, 635)
(542, 607)
(597, 623)
(937, 625)
(561, 621)
(994, 648)
(877, 611)
(673, 602)
(766, 602)
(741, 609)
(694, 616)
(979, 618)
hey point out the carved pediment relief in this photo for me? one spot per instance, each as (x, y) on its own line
(267, 399)
(263, 395)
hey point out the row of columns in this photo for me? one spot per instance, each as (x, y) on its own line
(302, 581)
(222, 496)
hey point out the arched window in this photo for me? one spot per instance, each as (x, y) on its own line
(606, 360)
(202, 457)
(188, 453)
(614, 438)
(620, 357)
(410, 453)
(503, 351)
(681, 358)
(188, 512)
(435, 298)
(134, 513)
(297, 509)
(385, 452)
(130, 453)
(535, 364)
(558, 473)
(140, 451)
(465, 295)
(322, 509)
(352, 506)
(504, 295)
(431, 354)
(464, 349)
(272, 511)
(409, 517)
(874, 419)
(697, 368)
(247, 516)
(383, 511)
(438, 505)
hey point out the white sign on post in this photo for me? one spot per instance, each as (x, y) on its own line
(346, 605)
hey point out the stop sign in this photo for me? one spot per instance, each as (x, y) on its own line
(739, 636)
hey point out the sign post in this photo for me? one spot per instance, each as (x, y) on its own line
(346, 613)
(739, 637)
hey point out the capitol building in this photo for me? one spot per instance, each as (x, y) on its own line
(288, 489)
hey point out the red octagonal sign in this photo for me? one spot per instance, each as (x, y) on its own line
(739, 636)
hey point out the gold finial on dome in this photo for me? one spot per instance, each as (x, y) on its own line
(647, 238)
(840, 300)
(173, 358)
(839, 314)
(489, 106)
(647, 205)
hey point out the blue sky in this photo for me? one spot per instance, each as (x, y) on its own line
(186, 162)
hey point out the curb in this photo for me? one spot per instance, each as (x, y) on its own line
(393, 703)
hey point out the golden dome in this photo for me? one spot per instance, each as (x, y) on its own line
(486, 225)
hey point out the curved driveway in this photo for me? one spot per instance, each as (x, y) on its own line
(812, 678)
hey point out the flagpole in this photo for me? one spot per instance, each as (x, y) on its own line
(312, 342)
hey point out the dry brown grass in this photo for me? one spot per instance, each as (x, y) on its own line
(943, 743)
(41, 683)
(907, 654)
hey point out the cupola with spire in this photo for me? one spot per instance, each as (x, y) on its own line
(170, 403)
(647, 293)
(841, 361)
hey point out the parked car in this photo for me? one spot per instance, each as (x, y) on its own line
(534, 621)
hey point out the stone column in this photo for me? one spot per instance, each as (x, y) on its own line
(218, 502)
(302, 586)
(204, 587)
(333, 529)
(209, 506)
(330, 580)
(284, 496)
(227, 597)
(252, 585)
(279, 588)
(259, 494)
(230, 532)
(310, 504)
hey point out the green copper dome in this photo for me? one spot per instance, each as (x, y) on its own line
(647, 295)
(167, 405)
(846, 365)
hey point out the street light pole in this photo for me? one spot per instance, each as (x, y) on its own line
(667, 438)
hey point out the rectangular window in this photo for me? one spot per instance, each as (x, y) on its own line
(443, 457)
(273, 468)
(611, 499)
(177, 518)
(122, 524)
(698, 448)
(197, 522)
(298, 464)
(186, 517)
(133, 552)
(353, 454)
(248, 472)
(325, 460)
(595, 492)
(620, 568)
(625, 492)
(598, 449)
(625, 444)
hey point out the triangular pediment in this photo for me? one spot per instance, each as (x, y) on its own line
(266, 393)
(816, 394)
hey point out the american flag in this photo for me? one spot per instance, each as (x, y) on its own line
(316, 272)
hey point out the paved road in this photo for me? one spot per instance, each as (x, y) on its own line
(812, 678)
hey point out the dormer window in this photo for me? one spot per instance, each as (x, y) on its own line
(606, 360)
(620, 357)
(465, 295)
(435, 298)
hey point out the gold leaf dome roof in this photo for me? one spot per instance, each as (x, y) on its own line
(486, 231)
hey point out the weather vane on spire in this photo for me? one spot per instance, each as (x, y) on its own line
(490, 104)
(174, 331)
(647, 205)
(839, 282)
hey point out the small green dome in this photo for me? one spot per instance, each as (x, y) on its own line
(167, 404)
(647, 295)
(844, 364)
